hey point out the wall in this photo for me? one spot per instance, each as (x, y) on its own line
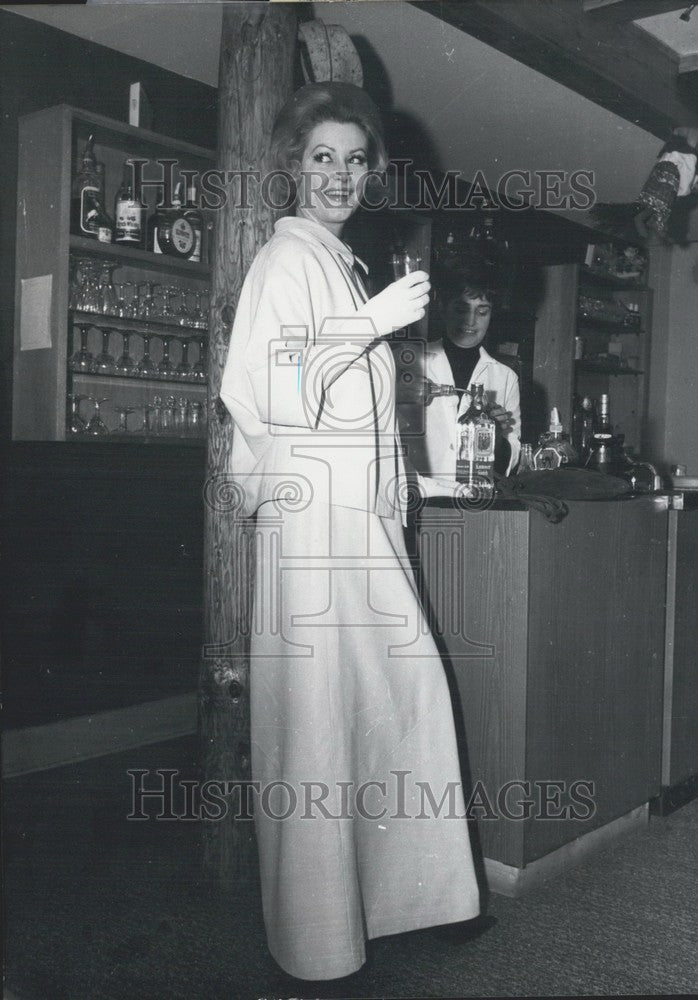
(41, 67)
(674, 363)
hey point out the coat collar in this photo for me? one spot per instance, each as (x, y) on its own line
(436, 349)
(315, 232)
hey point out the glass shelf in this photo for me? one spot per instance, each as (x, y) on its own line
(155, 327)
(591, 277)
(150, 382)
(132, 256)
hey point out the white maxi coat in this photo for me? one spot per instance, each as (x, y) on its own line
(431, 432)
(352, 726)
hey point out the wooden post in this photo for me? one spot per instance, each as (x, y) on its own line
(256, 76)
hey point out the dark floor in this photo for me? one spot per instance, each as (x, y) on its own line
(102, 908)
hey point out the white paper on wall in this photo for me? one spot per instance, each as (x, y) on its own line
(35, 313)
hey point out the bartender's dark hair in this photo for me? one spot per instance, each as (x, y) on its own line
(475, 283)
(325, 102)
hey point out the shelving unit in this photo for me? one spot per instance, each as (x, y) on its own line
(50, 144)
(624, 379)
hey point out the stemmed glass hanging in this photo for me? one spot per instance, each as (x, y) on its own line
(198, 369)
(183, 370)
(146, 366)
(165, 366)
(104, 362)
(125, 365)
(88, 298)
(76, 424)
(96, 425)
(82, 360)
(124, 412)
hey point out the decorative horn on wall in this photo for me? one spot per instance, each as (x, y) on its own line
(328, 53)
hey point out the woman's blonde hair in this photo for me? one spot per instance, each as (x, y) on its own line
(325, 102)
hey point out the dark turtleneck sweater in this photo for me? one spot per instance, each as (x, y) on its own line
(462, 361)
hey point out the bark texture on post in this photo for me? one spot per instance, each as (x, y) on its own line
(256, 76)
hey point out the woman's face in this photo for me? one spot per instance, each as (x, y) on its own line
(333, 169)
(467, 320)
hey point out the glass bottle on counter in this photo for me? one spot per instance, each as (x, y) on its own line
(554, 446)
(604, 450)
(582, 428)
(475, 461)
(175, 234)
(129, 210)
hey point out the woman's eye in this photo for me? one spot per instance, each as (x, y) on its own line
(322, 157)
(483, 311)
(358, 158)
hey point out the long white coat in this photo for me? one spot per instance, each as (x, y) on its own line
(347, 690)
(430, 433)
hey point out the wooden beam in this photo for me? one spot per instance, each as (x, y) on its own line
(618, 66)
(631, 10)
(258, 43)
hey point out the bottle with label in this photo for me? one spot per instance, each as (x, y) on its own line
(98, 219)
(87, 186)
(554, 447)
(175, 233)
(475, 461)
(196, 220)
(129, 211)
(604, 452)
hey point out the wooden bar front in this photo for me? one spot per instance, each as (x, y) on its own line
(554, 635)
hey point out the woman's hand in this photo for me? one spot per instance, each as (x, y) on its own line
(401, 303)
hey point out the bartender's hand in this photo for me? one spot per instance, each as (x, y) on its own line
(401, 303)
(504, 418)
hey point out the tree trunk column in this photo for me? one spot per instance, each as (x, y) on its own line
(256, 75)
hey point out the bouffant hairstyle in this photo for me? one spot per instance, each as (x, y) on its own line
(475, 281)
(316, 103)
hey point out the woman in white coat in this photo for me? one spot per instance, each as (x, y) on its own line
(360, 816)
(465, 300)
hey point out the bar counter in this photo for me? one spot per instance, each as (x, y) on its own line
(554, 640)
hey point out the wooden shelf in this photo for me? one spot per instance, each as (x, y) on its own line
(133, 257)
(599, 368)
(589, 277)
(133, 438)
(154, 327)
(607, 325)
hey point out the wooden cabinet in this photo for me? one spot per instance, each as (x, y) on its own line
(556, 678)
(51, 316)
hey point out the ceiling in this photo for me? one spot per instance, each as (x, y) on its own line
(475, 107)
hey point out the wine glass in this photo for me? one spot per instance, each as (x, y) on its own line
(83, 360)
(124, 412)
(146, 366)
(125, 365)
(165, 366)
(183, 370)
(167, 416)
(184, 317)
(76, 424)
(195, 425)
(88, 299)
(104, 362)
(146, 307)
(107, 294)
(198, 369)
(96, 425)
(403, 263)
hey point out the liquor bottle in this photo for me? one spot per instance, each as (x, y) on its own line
(582, 428)
(554, 448)
(98, 220)
(525, 459)
(129, 211)
(604, 452)
(175, 232)
(475, 461)
(196, 220)
(88, 185)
